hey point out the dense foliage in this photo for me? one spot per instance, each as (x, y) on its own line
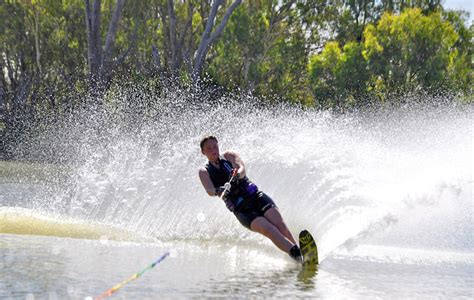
(399, 54)
(322, 53)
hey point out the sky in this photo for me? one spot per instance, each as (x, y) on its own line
(467, 5)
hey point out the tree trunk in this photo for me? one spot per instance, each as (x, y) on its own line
(37, 46)
(100, 60)
(246, 69)
(2, 91)
(209, 36)
(3, 114)
(110, 37)
(156, 58)
(94, 48)
(172, 29)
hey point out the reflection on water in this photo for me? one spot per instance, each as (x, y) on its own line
(48, 267)
(306, 276)
(287, 282)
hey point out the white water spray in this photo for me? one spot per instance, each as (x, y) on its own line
(346, 178)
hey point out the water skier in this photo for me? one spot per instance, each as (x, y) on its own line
(225, 177)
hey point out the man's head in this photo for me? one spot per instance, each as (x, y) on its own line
(210, 147)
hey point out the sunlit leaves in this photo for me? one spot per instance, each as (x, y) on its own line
(399, 54)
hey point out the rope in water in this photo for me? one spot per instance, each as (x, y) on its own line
(116, 287)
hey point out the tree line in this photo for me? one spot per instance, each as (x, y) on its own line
(321, 53)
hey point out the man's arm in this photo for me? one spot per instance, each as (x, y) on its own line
(206, 182)
(236, 162)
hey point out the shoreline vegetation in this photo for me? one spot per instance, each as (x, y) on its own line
(63, 58)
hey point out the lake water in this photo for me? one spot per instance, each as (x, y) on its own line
(62, 268)
(387, 196)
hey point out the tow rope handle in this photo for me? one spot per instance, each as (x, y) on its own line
(228, 185)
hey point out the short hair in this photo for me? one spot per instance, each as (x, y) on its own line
(206, 138)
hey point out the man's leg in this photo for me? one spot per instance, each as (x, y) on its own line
(273, 215)
(263, 226)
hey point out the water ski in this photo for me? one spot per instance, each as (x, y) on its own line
(308, 249)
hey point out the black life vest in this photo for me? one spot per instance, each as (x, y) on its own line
(219, 176)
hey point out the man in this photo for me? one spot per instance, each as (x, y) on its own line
(253, 208)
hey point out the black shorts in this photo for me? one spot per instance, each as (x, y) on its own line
(253, 208)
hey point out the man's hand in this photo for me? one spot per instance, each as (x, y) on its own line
(234, 177)
(219, 191)
(223, 191)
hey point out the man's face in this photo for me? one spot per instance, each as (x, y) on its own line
(211, 150)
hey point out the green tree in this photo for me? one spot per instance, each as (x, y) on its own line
(399, 54)
(266, 48)
(339, 76)
(410, 52)
(328, 53)
(462, 68)
(354, 15)
(42, 54)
